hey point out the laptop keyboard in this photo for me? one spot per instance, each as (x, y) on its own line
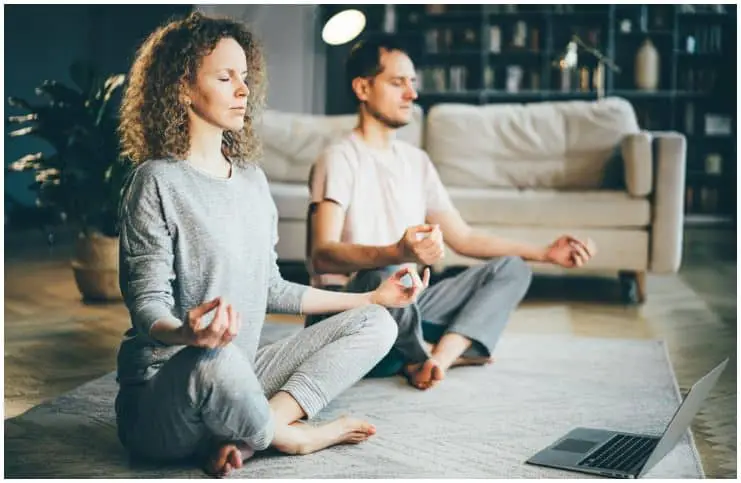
(622, 452)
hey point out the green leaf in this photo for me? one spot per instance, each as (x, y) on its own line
(29, 161)
(23, 131)
(111, 85)
(83, 75)
(59, 93)
(18, 102)
(25, 118)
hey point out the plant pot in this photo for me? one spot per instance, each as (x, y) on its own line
(96, 267)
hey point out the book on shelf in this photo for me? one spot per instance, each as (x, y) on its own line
(718, 125)
(698, 79)
(714, 164)
(702, 199)
(704, 8)
(704, 39)
(525, 38)
(451, 40)
(442, 79)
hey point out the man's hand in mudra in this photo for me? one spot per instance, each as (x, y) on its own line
(570, 252)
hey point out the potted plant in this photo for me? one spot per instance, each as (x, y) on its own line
(81, 180)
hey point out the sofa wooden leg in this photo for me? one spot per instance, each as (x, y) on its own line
(633, 286)
(641, 286)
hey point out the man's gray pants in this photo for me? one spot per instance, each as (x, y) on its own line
(476, 303)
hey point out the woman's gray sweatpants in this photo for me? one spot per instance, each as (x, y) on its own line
(201, 396)
(476, 303)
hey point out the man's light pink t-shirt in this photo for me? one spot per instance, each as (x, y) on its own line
(382, 192)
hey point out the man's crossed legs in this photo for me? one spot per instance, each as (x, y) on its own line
(457, 321)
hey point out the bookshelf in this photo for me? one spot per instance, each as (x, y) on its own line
(483, 54)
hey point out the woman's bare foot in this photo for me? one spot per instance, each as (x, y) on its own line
(226, 457)
(472, 361)
(424, 375)
(301, 438)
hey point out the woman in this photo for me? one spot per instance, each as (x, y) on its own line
(198, 270)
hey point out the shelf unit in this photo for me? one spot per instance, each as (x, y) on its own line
(696, 45)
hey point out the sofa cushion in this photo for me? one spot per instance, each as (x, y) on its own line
(293, 142)
(551, 208)
(291, 199)
(564, 145)
(618, 248)
(501, 206)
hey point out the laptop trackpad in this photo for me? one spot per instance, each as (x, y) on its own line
(575, 445)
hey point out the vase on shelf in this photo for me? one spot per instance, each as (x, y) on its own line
(647, 67)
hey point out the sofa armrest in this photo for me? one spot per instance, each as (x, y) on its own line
(638, 163)
(667, 227)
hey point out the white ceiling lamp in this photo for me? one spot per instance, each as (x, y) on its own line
(343, 27)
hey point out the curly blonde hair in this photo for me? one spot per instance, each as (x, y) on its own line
(154, 120)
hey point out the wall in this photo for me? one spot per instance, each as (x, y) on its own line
(294, 52)
(41, 41)
(341, 101)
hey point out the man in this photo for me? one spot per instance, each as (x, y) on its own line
(377, 203)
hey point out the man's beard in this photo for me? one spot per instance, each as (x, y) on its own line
(385, 120)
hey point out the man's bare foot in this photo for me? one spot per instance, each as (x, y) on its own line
(301, 438)
(472, 361)
(424, 375)
(227, 457)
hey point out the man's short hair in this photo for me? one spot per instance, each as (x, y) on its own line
(365, 56)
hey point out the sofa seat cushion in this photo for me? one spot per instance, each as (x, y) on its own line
(510, 207)
(552, 208)
(617, 248)
(291, 199)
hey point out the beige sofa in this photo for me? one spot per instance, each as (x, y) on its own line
(526, 171)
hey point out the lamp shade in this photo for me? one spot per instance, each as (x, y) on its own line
(343, 27)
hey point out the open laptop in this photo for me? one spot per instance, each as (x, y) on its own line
(625, 455)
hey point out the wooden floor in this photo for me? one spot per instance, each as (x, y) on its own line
(53, 342)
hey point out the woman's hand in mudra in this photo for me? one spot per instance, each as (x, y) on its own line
(221, 331)
(394, 293)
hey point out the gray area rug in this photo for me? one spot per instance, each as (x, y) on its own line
(481, 422)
